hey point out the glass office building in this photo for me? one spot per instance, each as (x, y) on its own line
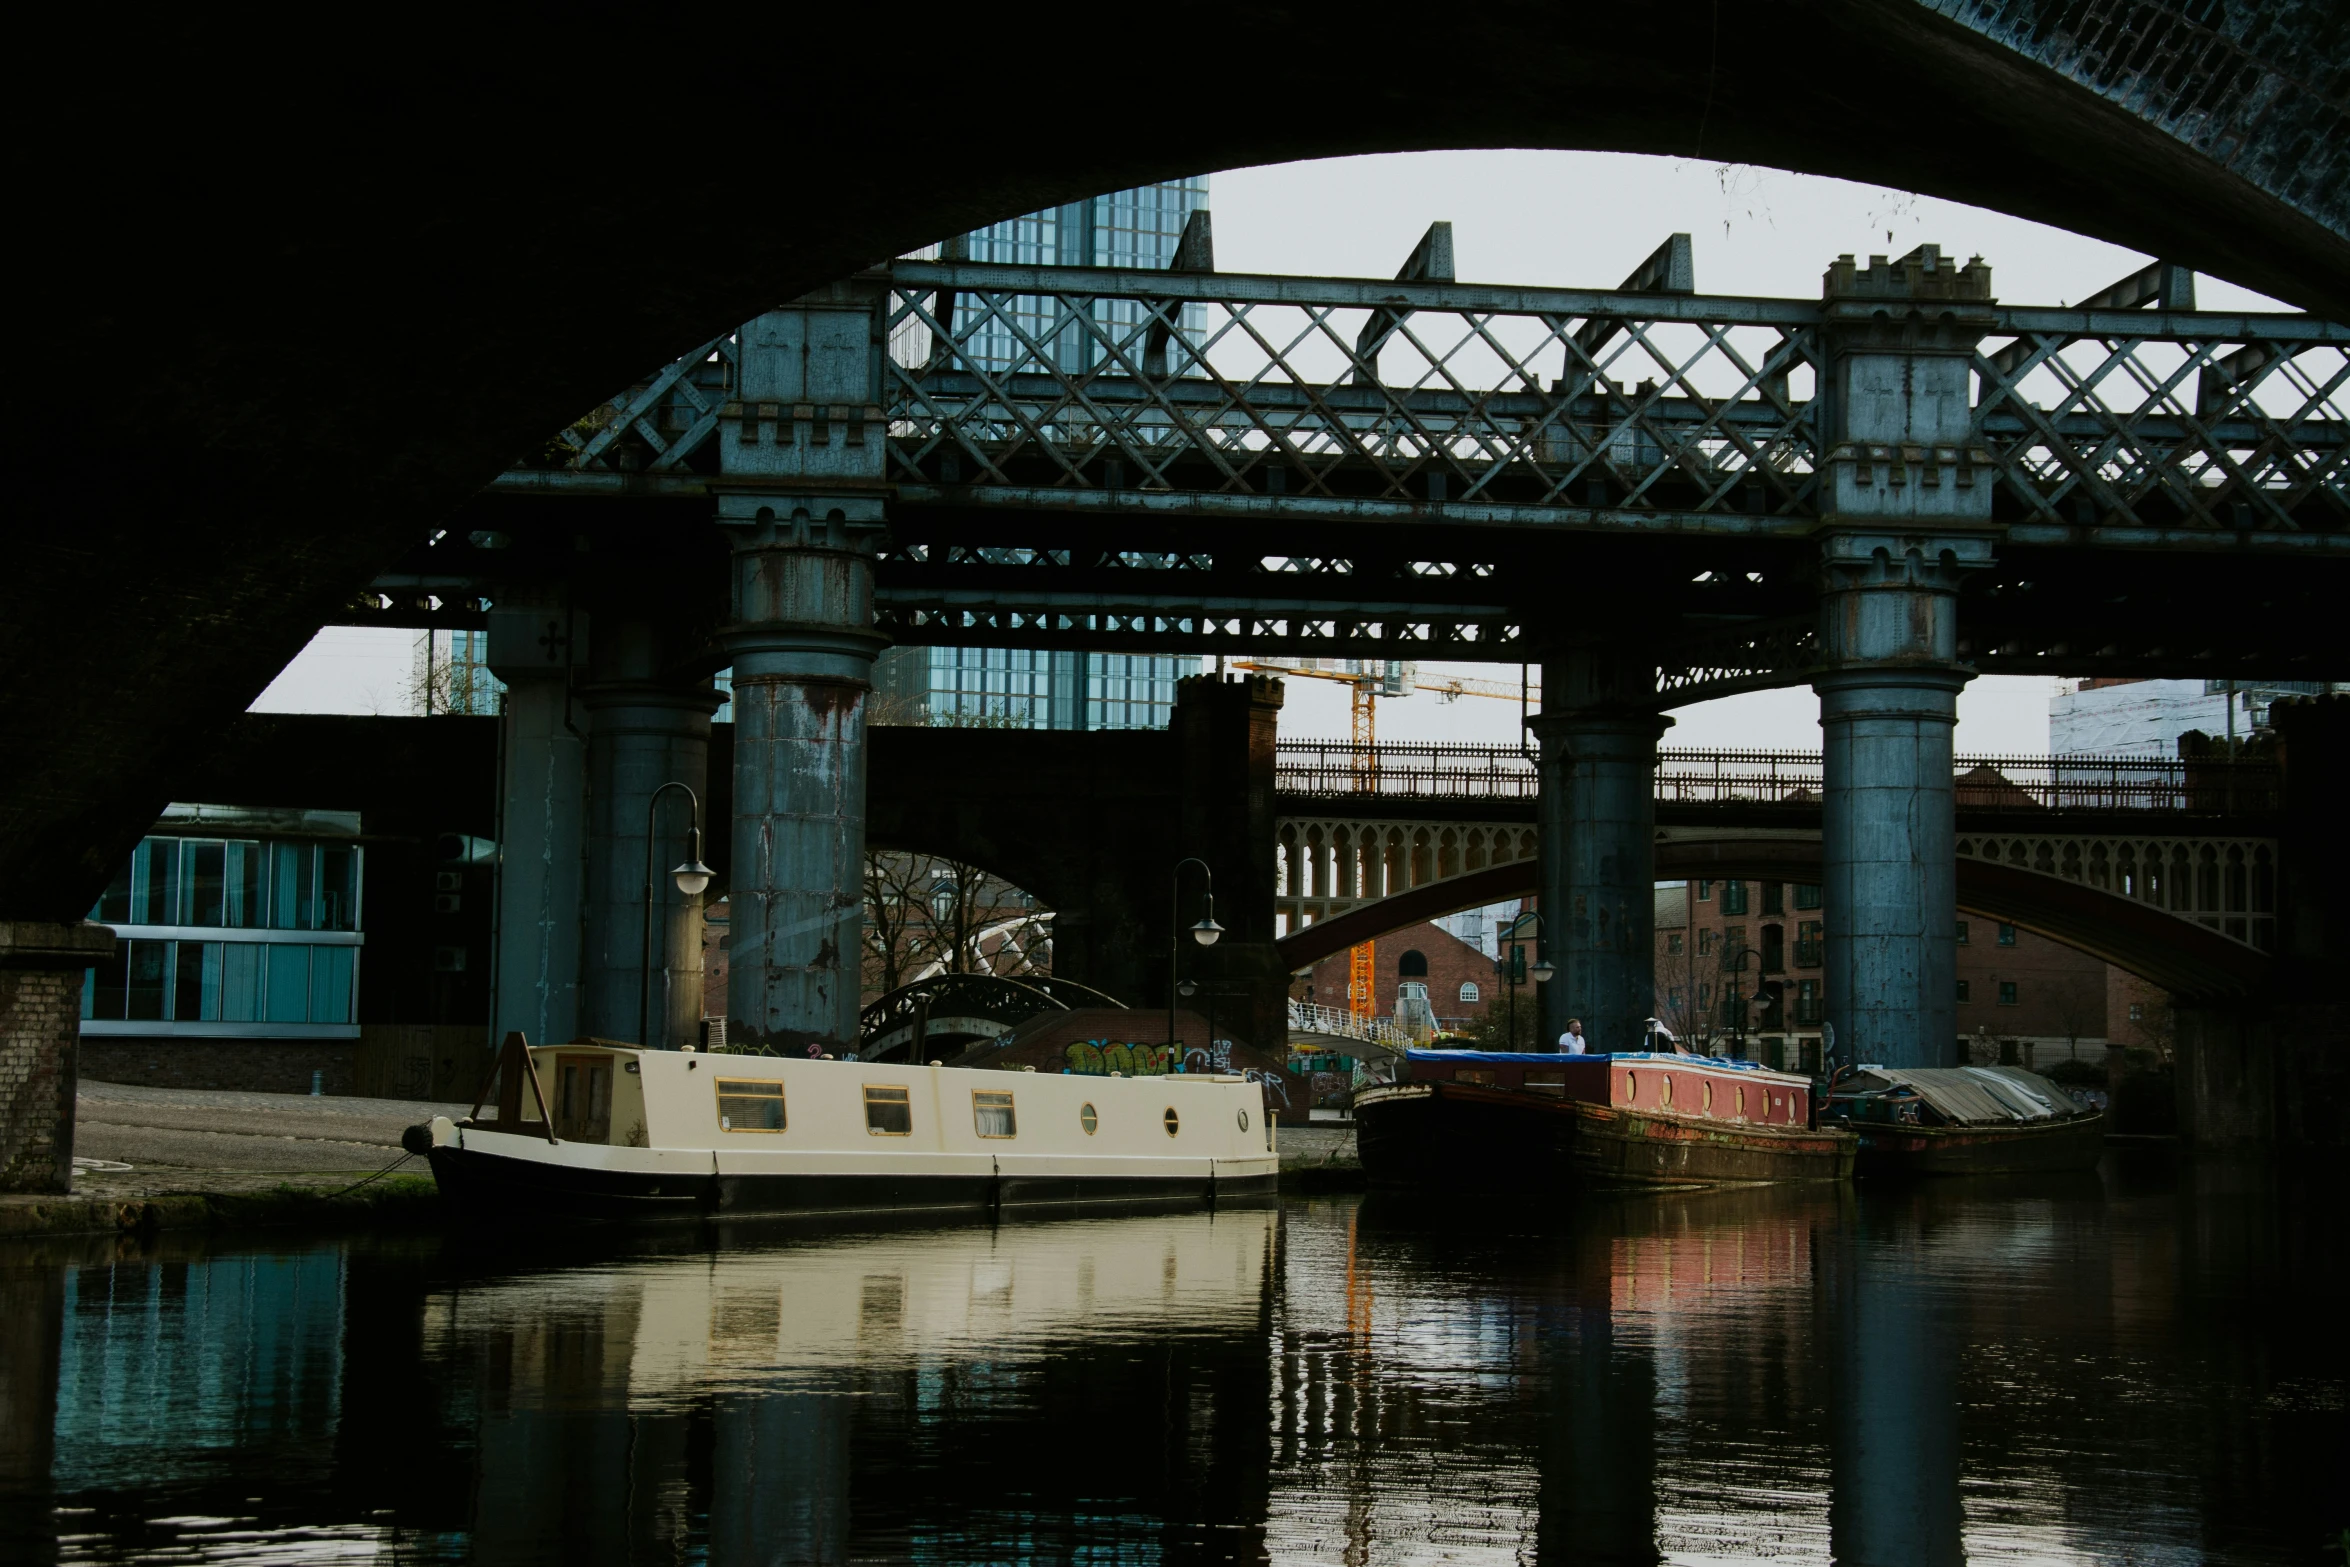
(1018, 687)
(233, 923)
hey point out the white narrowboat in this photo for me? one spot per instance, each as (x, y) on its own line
(610, 1130)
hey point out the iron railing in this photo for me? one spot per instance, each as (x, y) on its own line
(1792, 779)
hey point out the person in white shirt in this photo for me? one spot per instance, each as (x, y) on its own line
(1572, 1042)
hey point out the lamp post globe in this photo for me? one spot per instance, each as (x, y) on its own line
(1206, 932)
(1542, 970)
(691, 878)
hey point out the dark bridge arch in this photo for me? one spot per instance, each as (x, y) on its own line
(2181, 957)
(487, 223)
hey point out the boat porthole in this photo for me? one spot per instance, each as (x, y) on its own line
(1664, 1093)
(1741, 1101)
(1174, 1121)
(1631, 1088)
(1087, 1119)
(1709, 1098)
(1244, 1120)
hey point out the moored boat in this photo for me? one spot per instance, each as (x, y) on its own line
(1966, 1120)
(1492, 1120)
(610, 1130)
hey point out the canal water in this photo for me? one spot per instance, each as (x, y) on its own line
(2141, 1366)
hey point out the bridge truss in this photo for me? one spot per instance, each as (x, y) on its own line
(1122, 460)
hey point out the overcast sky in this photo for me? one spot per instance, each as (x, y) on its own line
(1560, 218)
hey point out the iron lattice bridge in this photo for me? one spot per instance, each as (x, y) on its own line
(2192, 839)
(1185, 460)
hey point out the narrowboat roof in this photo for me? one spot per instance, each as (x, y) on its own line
(1555, 1057)
(1968, 1094)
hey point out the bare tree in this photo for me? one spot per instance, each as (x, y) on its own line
(2078, 1005)
(926, 914)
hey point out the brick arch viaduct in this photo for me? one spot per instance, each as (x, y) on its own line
(265, 361)
(2184, 958)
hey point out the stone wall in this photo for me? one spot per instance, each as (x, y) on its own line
(41, 967)
(260, 1066)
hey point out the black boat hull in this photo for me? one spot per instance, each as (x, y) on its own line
(1892, 1152)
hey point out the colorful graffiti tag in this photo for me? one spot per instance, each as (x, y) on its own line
(1101, 1057)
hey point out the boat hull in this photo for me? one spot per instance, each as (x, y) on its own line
(492, 1185)
(1436, 1136)
(2024, 1147)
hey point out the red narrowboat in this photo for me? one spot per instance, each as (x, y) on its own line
(1484, 1119)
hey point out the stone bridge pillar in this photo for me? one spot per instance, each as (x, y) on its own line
(1224, 732)
(539, 652)
(651, 726)
(1598, 871)
(803, 502)
(1907, 509)
(41, 967)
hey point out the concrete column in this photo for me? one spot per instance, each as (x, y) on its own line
(41, 968)
(1908, 509)
(648, 730)
(542, 821)
(1598, 868)
(804, 503)
(803, 649)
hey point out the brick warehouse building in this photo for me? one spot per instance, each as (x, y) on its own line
(1725, 947)
(1461, 982)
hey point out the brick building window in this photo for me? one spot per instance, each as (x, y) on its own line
(1412, 965)
(1808, 937)
(1705, 892)
(2007, 935)
(1469, 991)
(1774, 897)
(1774, 948)
(1962, 933)
(2137, 1012)
(1707, 942)
(1673, 943)
(1733, 897)
(1807, 894)
(2007, 995)
(1807, 1003)
(1962, 995)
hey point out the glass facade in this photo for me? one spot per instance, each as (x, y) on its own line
(1127, 228)
(231, 935)
(1018, 688)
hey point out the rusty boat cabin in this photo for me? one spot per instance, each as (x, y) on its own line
(1535, 1122)
(1963, 1120)
(1710, 1087)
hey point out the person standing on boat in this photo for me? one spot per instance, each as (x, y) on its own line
(1572, 1042)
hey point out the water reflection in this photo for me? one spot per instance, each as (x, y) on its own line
(2143, 1368)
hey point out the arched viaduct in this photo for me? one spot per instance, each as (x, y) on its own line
(2184, 958)
(290, 302)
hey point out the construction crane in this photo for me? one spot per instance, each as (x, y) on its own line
(1367, 682)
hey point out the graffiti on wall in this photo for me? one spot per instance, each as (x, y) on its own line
(1101, 1057)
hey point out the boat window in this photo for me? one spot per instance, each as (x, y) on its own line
(583, 1098)
(1174, 1121)
(1741, 1101)
(1087, 1119)
(1709, 1098)
(1468, 1074)
(889, 1111)
(1244, 1120)
(1664, 1092)
(1631, 1088)
(750, 1104)
(991, 1113)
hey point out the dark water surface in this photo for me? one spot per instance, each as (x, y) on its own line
(2144, 1366)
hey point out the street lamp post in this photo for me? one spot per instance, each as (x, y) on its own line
(1205, 932)
(691, 878)
(1513, 965)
